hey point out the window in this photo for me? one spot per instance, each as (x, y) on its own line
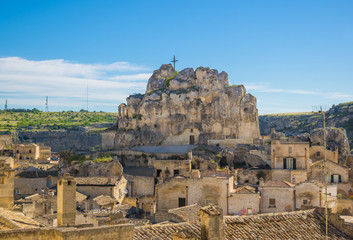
(336, 178)
(272, 202)
(18, 151)
(305, 202)
(181, 202)
(289, 163)
(176, 172)
(16, 191)
(318, 154)
(289, 149)
(69, 183)
(191, 130)
(30, 151)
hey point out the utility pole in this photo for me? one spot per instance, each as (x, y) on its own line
(5, 105)
(46, 104)
(323, 113)
(87, 97)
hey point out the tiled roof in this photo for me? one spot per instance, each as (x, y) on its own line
(187, 213)
(37, 174)
(165, 231)
(212, 210)
(15, 220)
(96, 181)
(104, 200)
(244, 190)
(139, 171)
(290, 225)
(274, 183)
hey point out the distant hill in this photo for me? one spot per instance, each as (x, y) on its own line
(35, 120)
(340, 116)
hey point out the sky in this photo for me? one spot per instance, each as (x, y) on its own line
(291, 55)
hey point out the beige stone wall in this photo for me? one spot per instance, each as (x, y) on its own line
(283, 196)
(183, 138)
(5, 140)
(243, 176)
(44, 153)
(281, 150)
(114, 232)
(330, 155)
(66, 201)
(119, 189)
(289, 175)
(345, 206)
(95, 191)
(230, 142)
(28, 186)
(140, 185)
(108, 140)
(333, 168)
(240, 202)
(203, 191)
(6, 187)
(27, 151)
(168, 166)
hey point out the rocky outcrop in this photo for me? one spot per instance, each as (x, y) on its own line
(336, 138)
(187, 107)
(338, 116)
(93, 169)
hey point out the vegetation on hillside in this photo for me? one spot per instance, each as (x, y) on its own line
(340, 115)
(35, 120)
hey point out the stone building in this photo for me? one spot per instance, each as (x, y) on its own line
(32, 151)
(317, 153)
(290, 160)
(6, 186)
(244, 200)
(182, 191)
(66, 203)
(312, 194)
(186, 107)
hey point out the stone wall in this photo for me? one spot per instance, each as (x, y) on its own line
(76, 140)
(98, 233)
(140, 185)
(238, 203)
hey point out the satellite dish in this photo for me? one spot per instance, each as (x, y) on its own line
(126, 191)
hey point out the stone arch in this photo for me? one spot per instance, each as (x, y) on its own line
(122, 111)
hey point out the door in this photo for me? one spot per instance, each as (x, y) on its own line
(192, 140)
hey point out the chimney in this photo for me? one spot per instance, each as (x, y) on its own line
(66, 201)
(212, 223)
(261, 181)
(6, 185)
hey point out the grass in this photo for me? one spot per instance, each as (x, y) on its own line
(43, 121)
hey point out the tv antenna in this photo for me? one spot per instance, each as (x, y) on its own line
(5, 105)
(46, 104)
(174, 61)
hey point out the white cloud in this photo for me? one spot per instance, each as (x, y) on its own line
(265, 87)
(26, 82)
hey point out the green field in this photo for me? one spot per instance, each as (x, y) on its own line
(34, 120)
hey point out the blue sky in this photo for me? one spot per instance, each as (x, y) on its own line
(291, 55)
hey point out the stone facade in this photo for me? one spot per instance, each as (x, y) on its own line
(180, 191)
(186, 107)
(66, 203)
(32, 151)
(6, 186)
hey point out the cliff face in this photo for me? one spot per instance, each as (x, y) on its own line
(338, 116)
(187, 107)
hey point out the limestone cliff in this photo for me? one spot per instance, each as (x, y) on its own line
(187, 107)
